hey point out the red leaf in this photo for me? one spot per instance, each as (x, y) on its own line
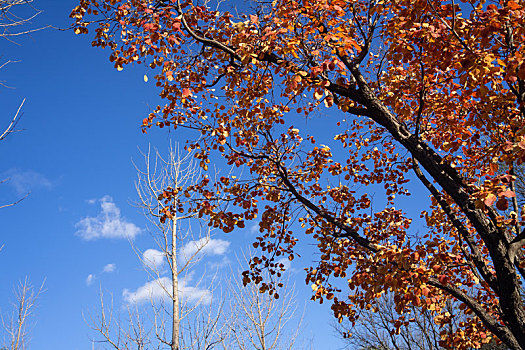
(508, 194)
(502, 204)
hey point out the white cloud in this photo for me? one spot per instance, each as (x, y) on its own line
(107, 224)
(90, 279)
(225, 261)
(195, 295)
(160, 289)
(205, 246)
(25, 181)
(109, 268)
(153, 258)
(152, 290)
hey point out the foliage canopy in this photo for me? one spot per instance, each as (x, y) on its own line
(421, 93)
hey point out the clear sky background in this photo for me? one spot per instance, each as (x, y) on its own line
(81, 129)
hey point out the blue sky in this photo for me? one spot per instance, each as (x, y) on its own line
(81, 129)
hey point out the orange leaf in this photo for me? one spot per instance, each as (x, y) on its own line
(513, 6)
(490, 199)
(186, 93)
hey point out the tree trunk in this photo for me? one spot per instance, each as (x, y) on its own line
(175, 287)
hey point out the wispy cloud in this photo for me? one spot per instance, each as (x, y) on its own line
(90, 279)
(225, 261)
(107, 224)
(254, 228)
(205, 246)
(152, 258)
(160, 289)
(109, 268)
(24, 181)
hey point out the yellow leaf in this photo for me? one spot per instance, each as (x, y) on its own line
(145, 78)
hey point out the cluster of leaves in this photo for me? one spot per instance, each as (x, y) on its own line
(424, 86)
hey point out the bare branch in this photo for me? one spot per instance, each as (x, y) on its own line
(17, 325)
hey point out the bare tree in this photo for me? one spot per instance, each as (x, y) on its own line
(248, 319)
(379, 327)
(258, 320)
(124, 335)
(376, 329)
(17, 324)
(174, 172)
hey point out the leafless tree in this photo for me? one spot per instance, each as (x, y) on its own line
(124, 335)
(18, 323)
(247, 319)
(176, 171)
(261, 321)
(376, 328)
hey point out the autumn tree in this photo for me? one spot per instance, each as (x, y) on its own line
(411, 96)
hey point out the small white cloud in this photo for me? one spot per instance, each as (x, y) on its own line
(109, 268)
(160, 289)
(25, 181)
(205, 246)
(153, 258)
(90, 279)
(107, 224)
(91, 201)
